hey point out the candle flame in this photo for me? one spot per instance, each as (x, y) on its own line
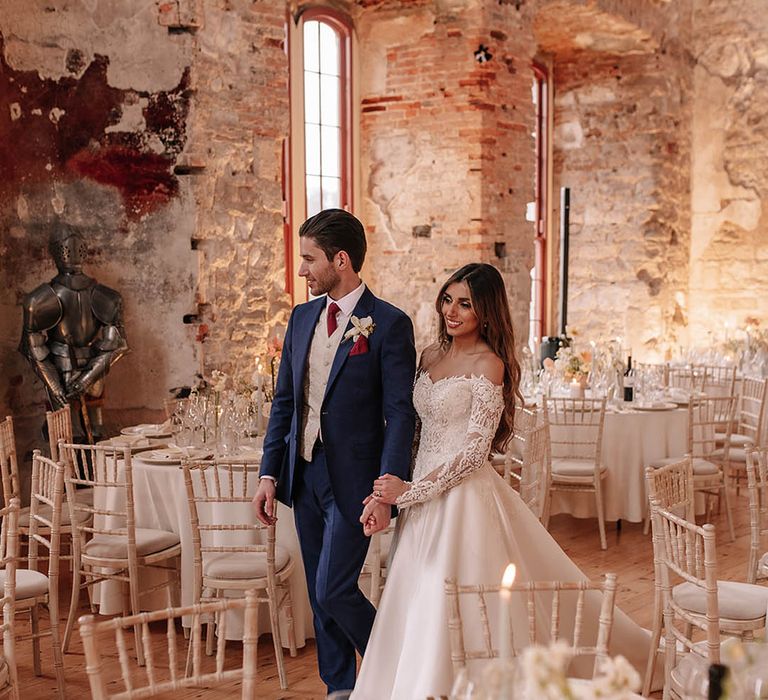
(509, 576)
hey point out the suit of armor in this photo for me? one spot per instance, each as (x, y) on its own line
(73, 326)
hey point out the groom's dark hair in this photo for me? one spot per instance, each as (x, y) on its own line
(334, 230)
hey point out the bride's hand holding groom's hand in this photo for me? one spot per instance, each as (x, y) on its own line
(375, 517)
(388, 488)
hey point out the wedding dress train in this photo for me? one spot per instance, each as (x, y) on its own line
(460, 519)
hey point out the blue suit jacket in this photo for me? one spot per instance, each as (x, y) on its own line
(367, 417)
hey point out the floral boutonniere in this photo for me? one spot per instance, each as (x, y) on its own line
(360, 332)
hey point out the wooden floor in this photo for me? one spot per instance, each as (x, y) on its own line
(628, 555)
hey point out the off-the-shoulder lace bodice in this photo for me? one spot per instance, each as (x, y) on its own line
(459, 417)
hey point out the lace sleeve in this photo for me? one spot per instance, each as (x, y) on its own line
(487, 406)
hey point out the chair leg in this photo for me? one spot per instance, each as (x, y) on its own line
(34, 615)
(728, 513)
(600, 515)
(58, 659)
(73, 605)
(133, 590)
(290, 624)
(275, 624)
(655, 639)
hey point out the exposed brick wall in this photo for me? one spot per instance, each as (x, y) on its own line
(441, 136)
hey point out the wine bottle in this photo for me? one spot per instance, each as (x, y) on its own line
(629, 381)
(718, 675)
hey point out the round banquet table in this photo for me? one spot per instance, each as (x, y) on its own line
(160, 502)
(632, 439)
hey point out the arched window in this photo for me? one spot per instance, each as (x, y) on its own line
(321, 121)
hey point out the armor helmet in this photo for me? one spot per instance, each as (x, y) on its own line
(67, 246)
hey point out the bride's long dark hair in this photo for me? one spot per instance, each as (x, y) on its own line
(490, 304)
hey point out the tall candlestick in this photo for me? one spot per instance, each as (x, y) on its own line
(505, 595)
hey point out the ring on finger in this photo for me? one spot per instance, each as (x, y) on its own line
(377, 494)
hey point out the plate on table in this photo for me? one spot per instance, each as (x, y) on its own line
(171, 455)
(149, 430)
(655, 406)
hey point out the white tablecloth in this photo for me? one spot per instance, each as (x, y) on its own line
(161, 502)
(631, 441)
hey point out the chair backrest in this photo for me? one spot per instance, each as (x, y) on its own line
(719, 380)
(751, 415)
(708, 415)
(688, 378)
(554, 598)
(576, 427)
(59, 428)
(535, 472)
(685, 551)
(525, 420)
(45, 506)
(108, 471)
(671, 486)
(9, 466)
(165, 668)
(9, 553)
(757, 488)
(230, 529)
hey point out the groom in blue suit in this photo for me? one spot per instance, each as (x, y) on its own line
(341, 417)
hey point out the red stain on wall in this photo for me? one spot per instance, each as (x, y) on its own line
(55, 130)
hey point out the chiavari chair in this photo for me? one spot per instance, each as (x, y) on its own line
(376, 565)
(117, 549)
(558, 597)
(757, 489)
(671, 487)
(9, 552)
(509, 463)
(165, 668)
(535, 473)
(576, 438)
(232, 550)
(687, 378)
(692, 596)
(718, 380)
(59, 425)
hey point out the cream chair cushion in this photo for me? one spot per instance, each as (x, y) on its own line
(736, 439)
(29, 583)
(572, 467)
(735, 454)
(46, 512)
(148, 541)
(243, 565)
(736, 601)
(700, 466)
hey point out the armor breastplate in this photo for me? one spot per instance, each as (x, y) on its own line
(78, 326)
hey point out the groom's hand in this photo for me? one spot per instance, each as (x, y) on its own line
(375, 517)
(264, 502)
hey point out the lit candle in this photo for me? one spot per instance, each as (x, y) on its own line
(575, 389)
(505, 595)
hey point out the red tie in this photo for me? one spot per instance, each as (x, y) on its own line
(333, 309)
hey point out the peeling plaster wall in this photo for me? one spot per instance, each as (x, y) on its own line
(434, 125)
(94, 102)
(729, 242)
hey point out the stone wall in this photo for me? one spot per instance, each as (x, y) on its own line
(622, 145)
(446, 154)
(729, 243)
(157, 130)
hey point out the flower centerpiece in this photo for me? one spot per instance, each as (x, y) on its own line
(573, 364)
(543, 673)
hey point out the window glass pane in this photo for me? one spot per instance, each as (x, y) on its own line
(329, 50)
(312, 46)
(311, 97)
(329, 100)
(331, 192)
(312, 149)
(331, 157)
(314, 205)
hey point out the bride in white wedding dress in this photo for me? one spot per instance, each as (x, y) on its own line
(458, 518)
